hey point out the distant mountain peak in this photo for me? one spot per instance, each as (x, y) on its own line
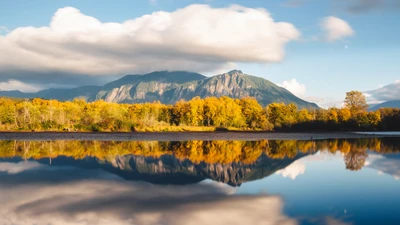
(235, 72)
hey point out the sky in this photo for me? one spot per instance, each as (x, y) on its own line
(317, 49)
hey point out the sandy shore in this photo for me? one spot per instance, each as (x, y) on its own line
(184, 136)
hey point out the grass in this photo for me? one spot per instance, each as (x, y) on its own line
(154, 128)
(173, 128)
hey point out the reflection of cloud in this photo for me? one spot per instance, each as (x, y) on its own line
(14, 168)
(299, 166)
(385, 164)
(100, 200)
(293, 170)
(333, 221)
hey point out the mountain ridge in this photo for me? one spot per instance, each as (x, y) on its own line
(169, 87)
(387, 104)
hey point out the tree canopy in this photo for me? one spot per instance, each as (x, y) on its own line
(194, 115)
(355, 102)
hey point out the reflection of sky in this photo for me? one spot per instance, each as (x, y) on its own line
(32, 194)
(327, 188)
(316, 189)
(385, 164)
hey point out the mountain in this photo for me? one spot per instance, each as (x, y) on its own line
(169, 87)
(388, 104)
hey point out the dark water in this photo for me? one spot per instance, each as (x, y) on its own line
(353, 181)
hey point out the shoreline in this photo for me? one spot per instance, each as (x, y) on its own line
(186, 136)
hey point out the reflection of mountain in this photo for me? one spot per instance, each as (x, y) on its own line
(169, 170)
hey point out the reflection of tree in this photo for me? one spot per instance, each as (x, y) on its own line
(281, 149)
(355, 159)
(222, 152)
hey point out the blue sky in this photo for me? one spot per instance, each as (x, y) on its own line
(363, 59)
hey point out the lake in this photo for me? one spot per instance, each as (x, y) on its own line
(324, 181)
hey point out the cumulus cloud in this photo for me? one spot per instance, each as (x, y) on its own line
(385, 93)
(293, 170)
(95, 200)
(336, 28)
(295, 87)
(17, 85)
(195, 38)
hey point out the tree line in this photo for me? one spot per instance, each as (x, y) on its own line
(355, 151)
(194, 115)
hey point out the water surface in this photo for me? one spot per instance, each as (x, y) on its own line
(342, 181)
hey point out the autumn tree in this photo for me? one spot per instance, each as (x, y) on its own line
(210, 110)
(195, 113)
(253, 112)
(355, 102)
(344, 115)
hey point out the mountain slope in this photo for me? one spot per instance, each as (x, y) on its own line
(170, 87)
(388, 104)
(238, 85)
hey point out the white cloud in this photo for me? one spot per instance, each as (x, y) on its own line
(295, 87)
(56, 197)
(153, 2)
(196, 38)
(336, 28)
(17, 85)
(293, 170)
(14, 168)
(325, 102)
(384, 93)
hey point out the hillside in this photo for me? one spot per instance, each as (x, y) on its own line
(388, 104)
(169, 87)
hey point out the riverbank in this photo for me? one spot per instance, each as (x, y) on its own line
(185, 136)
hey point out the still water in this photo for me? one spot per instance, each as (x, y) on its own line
(330, 182)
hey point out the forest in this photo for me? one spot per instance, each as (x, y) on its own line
(355, 151)
(208, 114)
